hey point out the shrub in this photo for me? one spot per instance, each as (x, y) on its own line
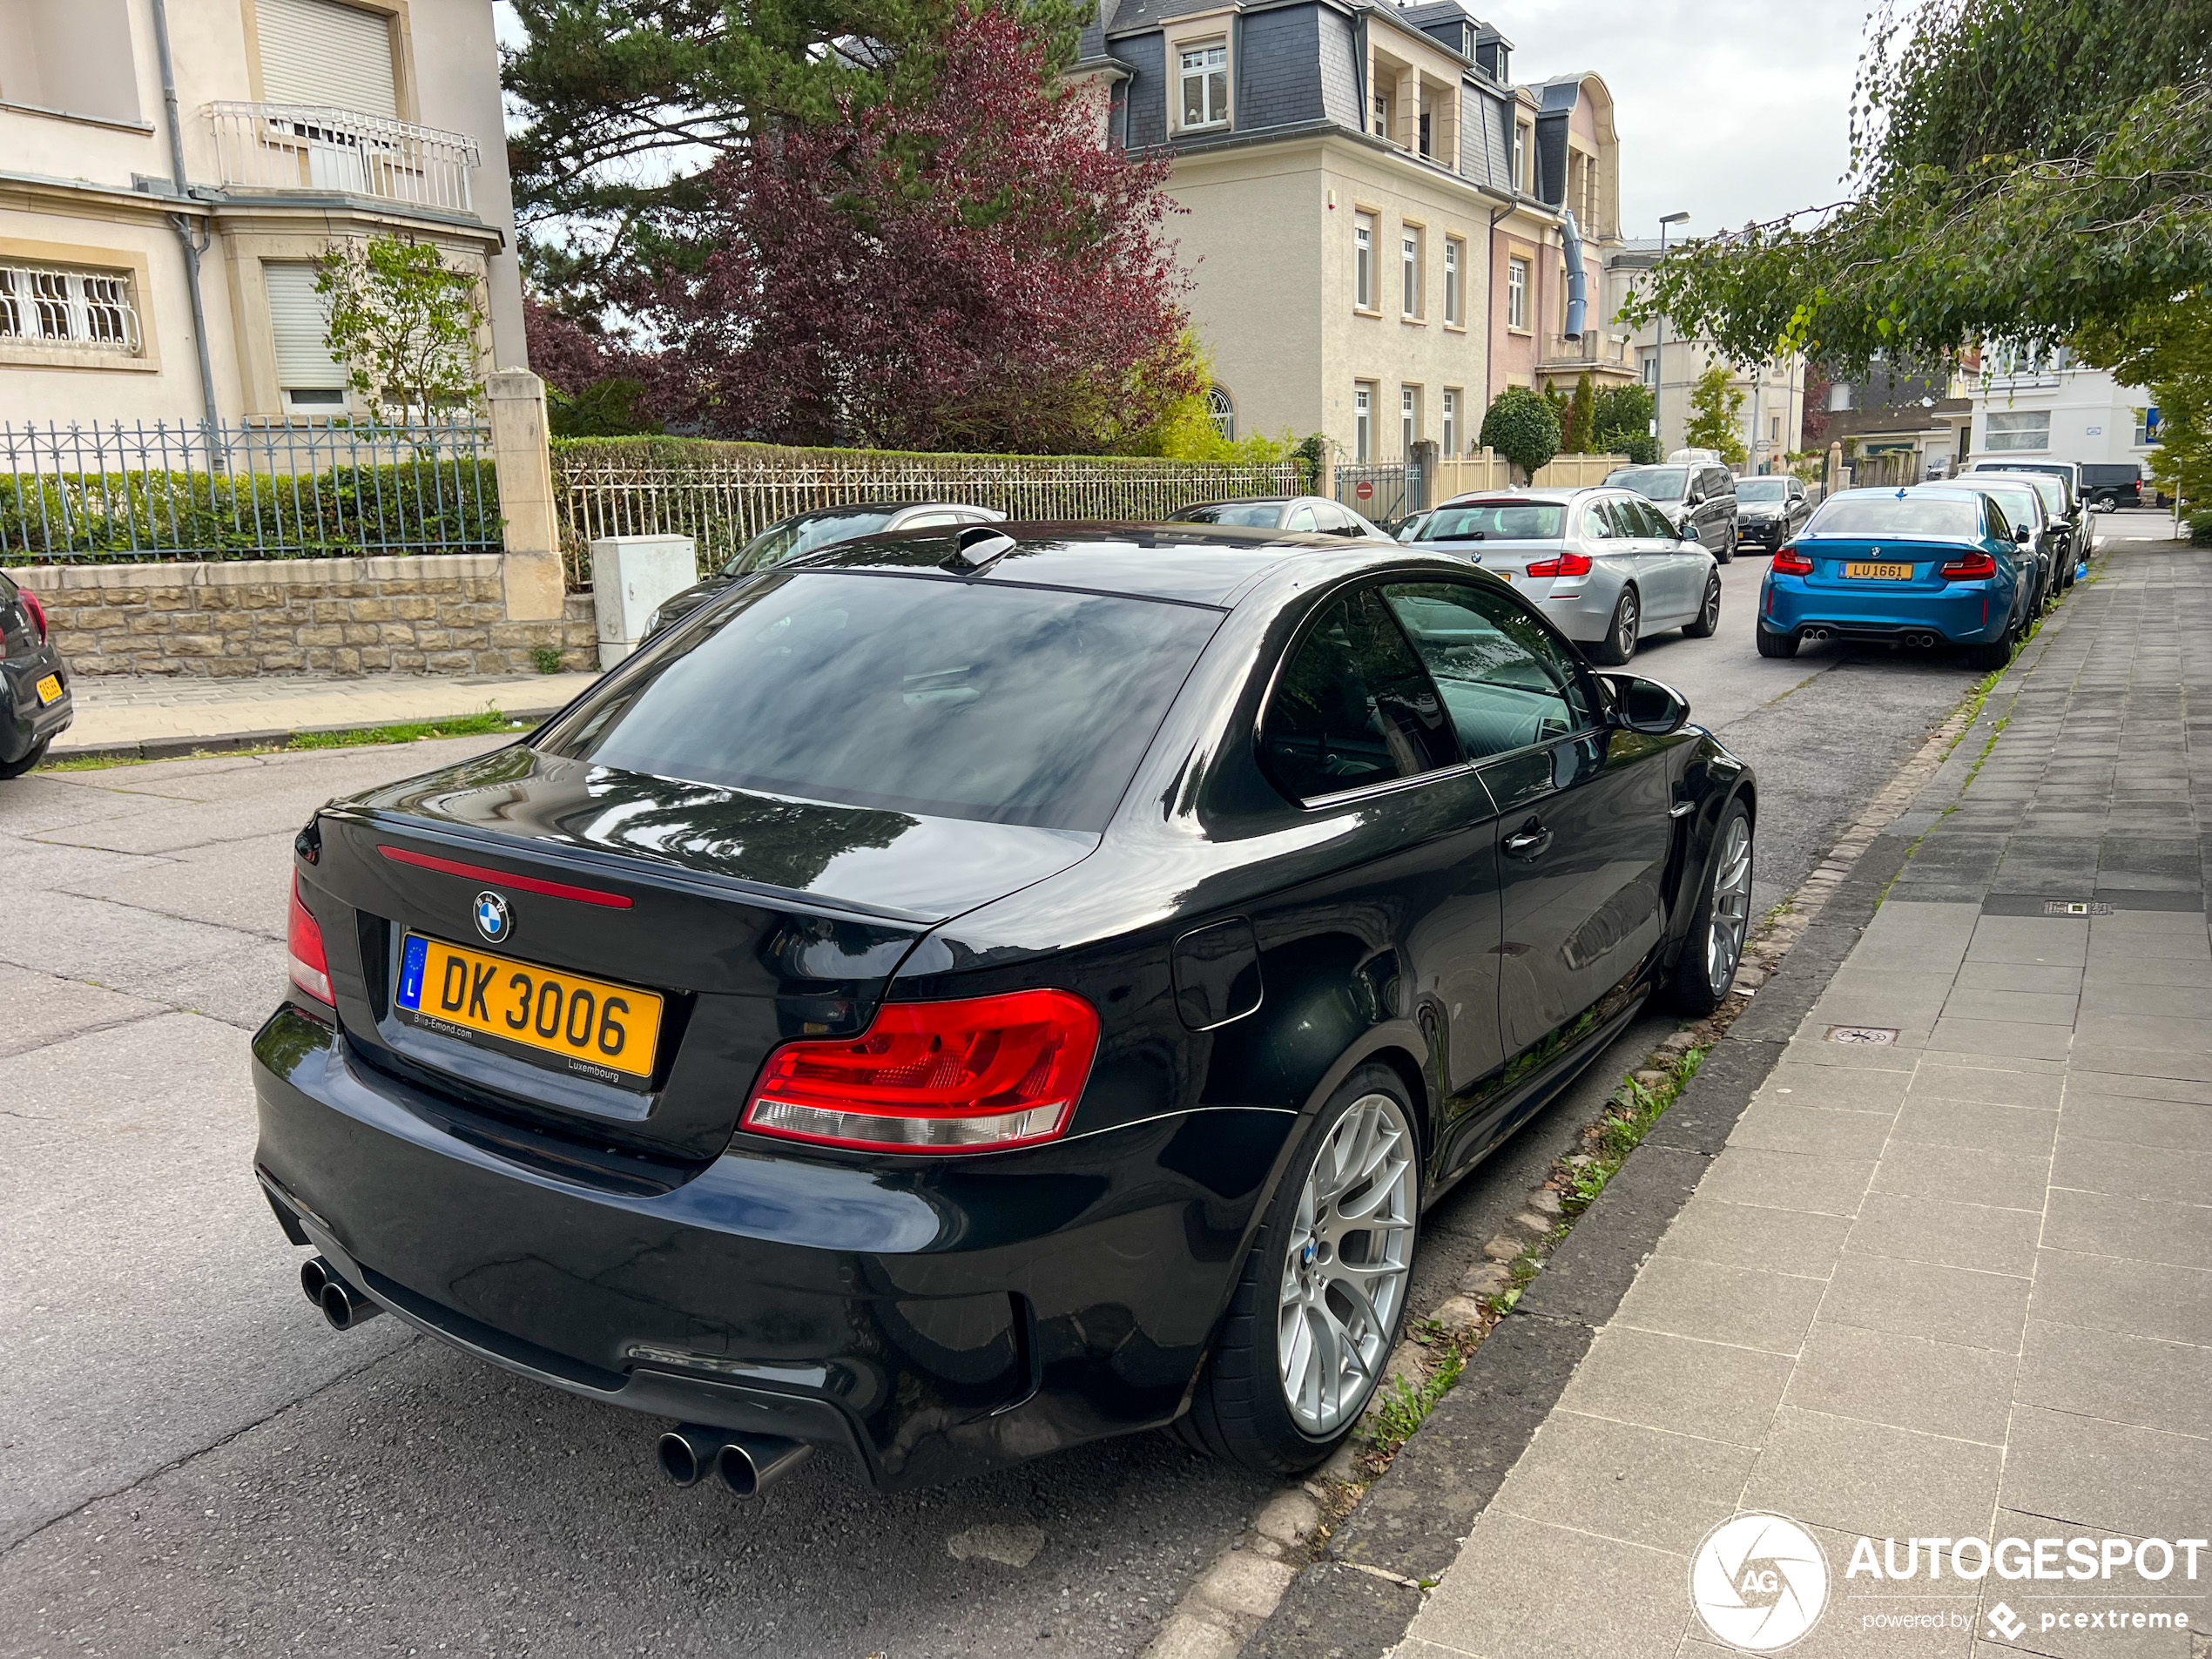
(2201, 529)
(1522, 425)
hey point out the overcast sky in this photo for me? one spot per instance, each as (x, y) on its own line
(1733, 110)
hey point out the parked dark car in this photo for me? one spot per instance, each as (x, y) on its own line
(1699, 496)
(2113, 484)
(2026, 507)
(1315, 513)
(843, 1026)
(793, 538)
(2081, 529)
(34, 682)
(1768, 511)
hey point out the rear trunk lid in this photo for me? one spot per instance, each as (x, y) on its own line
(1508, 560)
(723, 923)
(1834, 559)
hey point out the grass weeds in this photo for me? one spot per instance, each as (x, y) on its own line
(488, 723)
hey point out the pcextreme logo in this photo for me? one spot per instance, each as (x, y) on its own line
(1759, 1583)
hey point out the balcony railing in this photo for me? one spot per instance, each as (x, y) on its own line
(1594, 346)
(305, 146)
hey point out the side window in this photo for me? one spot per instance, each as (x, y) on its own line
(1353, 707)
(1718, 482)
(2000, 526)
(1506, 682)
(1597, 525)
(931, 520)
(1654, 522)
(1301, 518)
(1626, 522)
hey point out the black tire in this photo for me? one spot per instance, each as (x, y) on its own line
(1726, 552)
(1621, 634)
(1774, 645)
(17, 768)
(1238, 1412)
(1994, 655)
(1690, 988)
(1707, 621)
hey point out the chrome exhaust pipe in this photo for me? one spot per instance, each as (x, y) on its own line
(749, 1462)
(341, 1305)
(688, 1451)
(1816, 633)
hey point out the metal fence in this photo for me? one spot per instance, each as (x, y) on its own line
(195, 492)
(722, 495)
(308, 146)
(1385, 492)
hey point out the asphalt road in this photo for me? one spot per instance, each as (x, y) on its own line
(190, 1461)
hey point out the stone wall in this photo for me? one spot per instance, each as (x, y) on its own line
(437, 614)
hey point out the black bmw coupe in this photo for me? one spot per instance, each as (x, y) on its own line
(969, 993)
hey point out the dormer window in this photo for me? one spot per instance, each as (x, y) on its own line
(1205, 86)
(1382, 115)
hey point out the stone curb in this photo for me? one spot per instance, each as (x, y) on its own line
(231, 742)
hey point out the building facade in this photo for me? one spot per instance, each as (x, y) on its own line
(296, 126)
(1926, 412)
(2047, 406)
(1367, 207)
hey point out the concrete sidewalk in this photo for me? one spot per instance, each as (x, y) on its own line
(156, 717)
(1951, 1277)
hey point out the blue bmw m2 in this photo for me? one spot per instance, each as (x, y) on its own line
(1923, 567)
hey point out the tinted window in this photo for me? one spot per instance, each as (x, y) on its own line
(1653, 483)
(927, 696)
(2018, 501)
(1256, 514)
(1655, 521)
(1496, 520)
(1761, 489)
(1352, 706)
(1719, 482)
(1951, 518)
(780, 543)
(1505, 681)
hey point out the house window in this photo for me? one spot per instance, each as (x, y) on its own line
(1450, 419)
(1409, 420)
(333, 56)
(1222, 410)
(1453, 250)
(1520, 157)
(311, 380)
(1648, 365)
(1363, 261)
(1363, 423)
(1516, 294)
(1839, 397)
(1427, 147)
(1409, 270)
(1774, 428)
(1205, 86)
(89, 309)
(2146, 427)
(1382, 115)
(2018, 429)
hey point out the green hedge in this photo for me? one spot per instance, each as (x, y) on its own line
(445, 506)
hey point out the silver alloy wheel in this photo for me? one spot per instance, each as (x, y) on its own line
(1731, 907)
(1347, 1264)
(1711, 620)
(1624, 624)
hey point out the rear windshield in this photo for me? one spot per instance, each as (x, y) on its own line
(1495, 521)
(1762, 489)
(2017, 500)
(1653, 483)
(780, 543)
(1257, 515)
(1946, 518)
(1020, 705)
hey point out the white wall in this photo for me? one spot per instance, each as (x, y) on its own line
(2092, 416)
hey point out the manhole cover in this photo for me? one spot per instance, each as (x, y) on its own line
(1877, 1034)
(2074, 907)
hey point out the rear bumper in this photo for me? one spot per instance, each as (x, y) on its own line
(1584, 614)
(935, 1323)
(1963, 613)
(24, 721)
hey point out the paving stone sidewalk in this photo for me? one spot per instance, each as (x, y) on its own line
(1951, 1278)
(155, 715)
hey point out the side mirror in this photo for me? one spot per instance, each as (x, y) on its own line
(1645, 706)
(2023, 536)
(1688, 532)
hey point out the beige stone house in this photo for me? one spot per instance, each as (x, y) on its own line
(295, 124)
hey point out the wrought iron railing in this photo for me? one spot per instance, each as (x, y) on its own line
(136, 492)
(308, 146)
(723, 496)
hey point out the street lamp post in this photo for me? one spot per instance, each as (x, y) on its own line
(1659, 349)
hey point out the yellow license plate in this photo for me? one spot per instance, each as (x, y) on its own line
(1870, 572)
(1502, 575)
(594, 1027)
(49, 689)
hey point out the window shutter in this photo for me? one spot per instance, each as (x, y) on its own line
(300, 325)
(313, 52)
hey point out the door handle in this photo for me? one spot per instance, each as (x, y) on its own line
(1528, 842)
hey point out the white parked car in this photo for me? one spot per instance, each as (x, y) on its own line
(1603, 564)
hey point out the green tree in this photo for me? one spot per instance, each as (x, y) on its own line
(2021, 170)
(625, 106)
(1579, 428)
(1620, 423)
(1717, 415)
(2169, 349)
(405, 324)
(1522, 425)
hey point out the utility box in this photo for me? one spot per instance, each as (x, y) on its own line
(631, 576)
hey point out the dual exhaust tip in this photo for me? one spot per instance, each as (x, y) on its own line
(341, 1305)
(1927, 641)
(745, 1463)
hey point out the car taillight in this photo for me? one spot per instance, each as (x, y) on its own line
(1788, 562)
(35, 611)
(1565, 564)
(1971, 568)
(972, 1075)
(310, 968)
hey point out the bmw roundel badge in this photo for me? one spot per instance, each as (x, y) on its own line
(492, 920)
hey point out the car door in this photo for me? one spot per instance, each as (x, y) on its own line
(1677, 568)
(1797, 512)
(1717, 511)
